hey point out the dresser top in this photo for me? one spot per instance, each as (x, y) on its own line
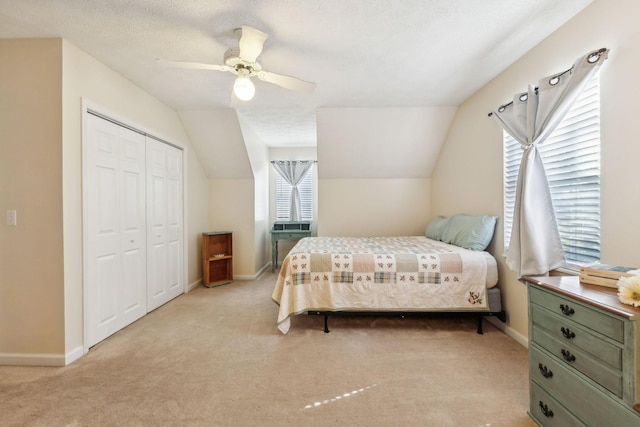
(601, 297)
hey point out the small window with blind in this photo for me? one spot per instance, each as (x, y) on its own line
(283, 198)
(571, 156)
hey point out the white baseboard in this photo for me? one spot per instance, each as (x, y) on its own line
(263, 270)
(74, 355)
(254, 276)
(36, 359)
(191, 286)
(518, 337)
(24, 359)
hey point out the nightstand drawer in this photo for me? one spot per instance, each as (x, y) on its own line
(573, 334)
(600, 322)
(548, 411)
(578, 396)
(580, 360)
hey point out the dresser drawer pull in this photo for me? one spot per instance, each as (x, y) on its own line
(546, 372)
(566, 355)
(566, 310)
(567, 333)
(545, 410)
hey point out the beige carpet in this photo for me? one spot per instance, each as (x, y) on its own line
(214, 357)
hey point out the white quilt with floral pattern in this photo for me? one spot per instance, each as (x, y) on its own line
(410, 273)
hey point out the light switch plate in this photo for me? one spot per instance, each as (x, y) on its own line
(12, 217)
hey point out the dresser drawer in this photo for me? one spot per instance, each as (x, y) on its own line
(580, 360)
(567, 331)
(600, 322)
(548, 411)
(591, 405)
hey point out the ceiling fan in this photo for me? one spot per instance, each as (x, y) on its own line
(243, 62)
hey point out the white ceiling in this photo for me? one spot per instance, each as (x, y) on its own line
(361, 53)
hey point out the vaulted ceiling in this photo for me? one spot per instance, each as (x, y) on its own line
(361, 54)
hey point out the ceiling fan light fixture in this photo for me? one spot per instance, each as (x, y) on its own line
(243, 88)
(243, 62)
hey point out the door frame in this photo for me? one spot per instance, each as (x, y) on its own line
(90, 107)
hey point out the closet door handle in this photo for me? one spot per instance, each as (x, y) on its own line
(566, 310)
(546, 372)
(566, 355)
(567, 333)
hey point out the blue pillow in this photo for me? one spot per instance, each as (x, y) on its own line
(436, 227)
(469, 231)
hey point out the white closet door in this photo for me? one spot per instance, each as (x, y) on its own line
(164, 223)
(115, 234)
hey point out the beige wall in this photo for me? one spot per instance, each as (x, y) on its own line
(237, 187)
(373, 207)
(197, 215)
(468, 176)
(380, 143)
(232, 204)
(374, 168)
(259, 158)
(48, 81)
(31, 253)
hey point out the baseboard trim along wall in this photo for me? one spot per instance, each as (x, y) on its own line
(32, 359)
(194, 285)
(74, 355)
(519, 338)
(254, 276)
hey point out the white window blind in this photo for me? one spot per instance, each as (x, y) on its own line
(571, 156)
(283, 197)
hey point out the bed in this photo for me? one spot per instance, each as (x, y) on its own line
(446, 270)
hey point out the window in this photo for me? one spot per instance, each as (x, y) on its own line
(283, 197)
(571, 157)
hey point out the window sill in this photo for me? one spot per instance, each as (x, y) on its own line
(570, 269)
(565, 271)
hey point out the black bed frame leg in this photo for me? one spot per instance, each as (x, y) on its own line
(480, 325)
(326, 323)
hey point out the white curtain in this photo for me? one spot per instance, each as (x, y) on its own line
(535, 246)
(293, 171)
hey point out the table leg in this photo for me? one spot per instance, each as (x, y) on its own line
(274, 255)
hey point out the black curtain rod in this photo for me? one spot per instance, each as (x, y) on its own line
(595, 54)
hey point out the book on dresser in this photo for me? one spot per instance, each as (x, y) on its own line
(584, 354)
(605, 274)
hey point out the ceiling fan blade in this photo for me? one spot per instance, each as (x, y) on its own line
(191, 65)
(251, 43)
(287, 82)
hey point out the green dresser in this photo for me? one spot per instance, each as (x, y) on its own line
(584, 355)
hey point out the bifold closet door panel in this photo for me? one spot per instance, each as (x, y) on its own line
(115, 228)
(164, 223)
